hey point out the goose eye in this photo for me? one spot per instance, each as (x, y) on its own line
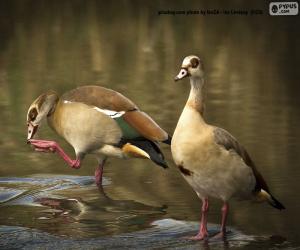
(194, 62)
(32, 114)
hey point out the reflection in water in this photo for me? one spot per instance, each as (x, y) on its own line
(164, 234)
(91, 213)
(252, 91)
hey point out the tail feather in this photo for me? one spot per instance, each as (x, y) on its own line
(168, 141)
(263, 195)
(152, 149)
(275, 203)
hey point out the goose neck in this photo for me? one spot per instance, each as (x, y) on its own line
(196, 99)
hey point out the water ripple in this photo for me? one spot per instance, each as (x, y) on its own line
(44, 212)
(20, 191)
(164, 234)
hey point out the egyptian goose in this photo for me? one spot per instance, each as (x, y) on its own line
(99, 121)
(210, 159)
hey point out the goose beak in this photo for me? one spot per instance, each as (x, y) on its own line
(182, 74)
(31, 130)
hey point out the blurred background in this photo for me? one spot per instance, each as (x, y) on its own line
(252, 90)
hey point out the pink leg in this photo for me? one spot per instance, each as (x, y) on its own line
(99, 173)
(202, 234)
(225, 210)
(52, 146)
(222, 232)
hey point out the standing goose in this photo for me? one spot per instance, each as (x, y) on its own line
(211, 159)
(99, 121)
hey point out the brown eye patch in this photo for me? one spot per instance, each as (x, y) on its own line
(32, 114)
(194, 62)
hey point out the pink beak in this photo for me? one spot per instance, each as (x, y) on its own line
(31, 130)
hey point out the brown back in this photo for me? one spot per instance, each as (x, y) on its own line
(100, 97)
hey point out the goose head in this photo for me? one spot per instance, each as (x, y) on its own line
(42, 107)
(192, 67)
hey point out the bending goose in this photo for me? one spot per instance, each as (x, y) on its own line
(210, 159)
(99, 121)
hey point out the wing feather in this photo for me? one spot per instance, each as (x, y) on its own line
(116, 105)
(100, 97)
(145, 125)
(226, 140)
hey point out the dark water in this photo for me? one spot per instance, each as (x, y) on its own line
(252, 71)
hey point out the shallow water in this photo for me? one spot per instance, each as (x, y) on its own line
(69, 211)
(252, 90)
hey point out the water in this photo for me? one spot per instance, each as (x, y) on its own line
(252, 90)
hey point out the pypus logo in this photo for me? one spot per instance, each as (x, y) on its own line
(283, 8)
(274, 8)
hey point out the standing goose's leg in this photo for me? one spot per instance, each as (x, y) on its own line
(99, 172)
(202, 234)
(222, 233)
(225, 210)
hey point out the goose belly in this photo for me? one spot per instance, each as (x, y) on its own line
(214, 172)
(85, 128)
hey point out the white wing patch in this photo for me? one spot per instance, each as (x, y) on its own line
(111, 113)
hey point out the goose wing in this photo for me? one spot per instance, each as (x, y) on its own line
(226, 140)
(133, 122)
